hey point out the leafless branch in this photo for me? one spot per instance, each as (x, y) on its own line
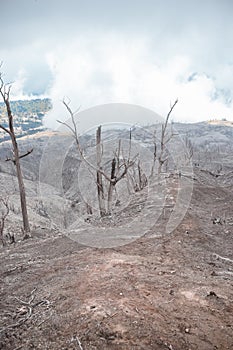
(5, 129)
(164, 138)
(119, 168)
(126, 166)
(21, 156)
(67, 125)
(74, 131)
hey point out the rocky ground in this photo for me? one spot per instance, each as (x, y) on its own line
(161, 291)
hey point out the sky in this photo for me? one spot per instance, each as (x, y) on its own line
(143, 52)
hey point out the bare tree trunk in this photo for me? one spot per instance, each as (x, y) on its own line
(164, 140)
(110, 197)
(5, 95)
(99, 179)
(139, 176)
(189, 149)
(160, 167)
(154, 156)
(4, 213)
(111, 186)
(26, 226)
(162, 147)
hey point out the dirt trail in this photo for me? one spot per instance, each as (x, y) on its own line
(159, 292)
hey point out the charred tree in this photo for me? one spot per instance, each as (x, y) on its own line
(105, 183)
(5, 93)
(99, 176)
(165, 139)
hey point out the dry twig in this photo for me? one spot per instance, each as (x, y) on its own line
(26, 310)
(222, 258)
(76, 339)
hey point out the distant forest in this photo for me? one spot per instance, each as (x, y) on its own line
(28, 116)
(27, 106)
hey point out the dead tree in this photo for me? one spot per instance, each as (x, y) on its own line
(119, 165)
(142, 178)
(119, 169)
(138, 178)
(5, 93)
(189, 148)
(99, 175)
(154, 154)
(165, 139)
(5, 209)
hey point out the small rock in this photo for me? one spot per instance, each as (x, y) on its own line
(213, 273)
(217, 221)
(212, 294)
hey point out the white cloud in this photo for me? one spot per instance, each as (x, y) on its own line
(134, 52)
(110, 68)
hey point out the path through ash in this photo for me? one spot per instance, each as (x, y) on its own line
(150, 203)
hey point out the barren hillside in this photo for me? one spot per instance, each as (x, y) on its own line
(163, 289)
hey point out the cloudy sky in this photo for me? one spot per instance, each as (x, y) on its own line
(144, 52)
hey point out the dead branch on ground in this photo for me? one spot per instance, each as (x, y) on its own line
(222, 258)
(77, 340)
(26, 310)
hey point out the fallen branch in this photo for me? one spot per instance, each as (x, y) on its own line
(223, 258)
(222, 273)
(76, 338)
(43, 321)
(14, 325)
(26, 309)
(210, 173)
